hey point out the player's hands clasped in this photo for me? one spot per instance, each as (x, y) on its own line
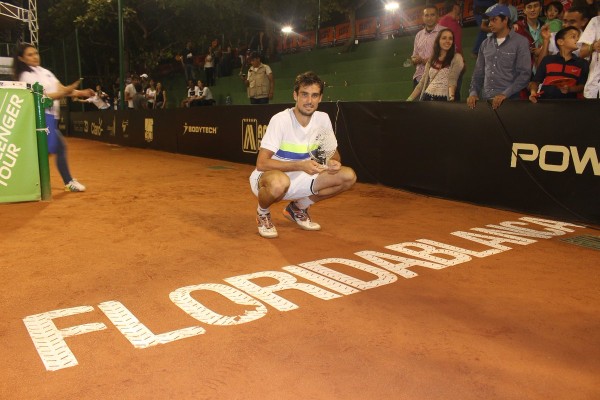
(333, 166)
(312, 167)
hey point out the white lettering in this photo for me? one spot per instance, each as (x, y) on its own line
(50, 341)
(401, 267)
(137, 333)
(285, 282)
(183, 299)
(383, 276)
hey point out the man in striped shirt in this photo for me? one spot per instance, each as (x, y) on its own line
(423, 47)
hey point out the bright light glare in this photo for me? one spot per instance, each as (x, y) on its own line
(286, 29)
(392, 6)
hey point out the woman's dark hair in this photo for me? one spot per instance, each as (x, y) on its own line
(437, 49)
(19, 66)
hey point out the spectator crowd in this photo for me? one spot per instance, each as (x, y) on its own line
(552, 51)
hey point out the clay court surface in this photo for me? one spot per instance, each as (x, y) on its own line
(520, 324)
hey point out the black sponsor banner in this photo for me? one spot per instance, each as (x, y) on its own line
(535, 158)
(520, 158)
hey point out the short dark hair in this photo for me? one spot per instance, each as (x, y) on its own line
(556, 4)
(525, 2)
(561, 34)
(449, 5)
(254, 55)
(306, 79)
(431, 5)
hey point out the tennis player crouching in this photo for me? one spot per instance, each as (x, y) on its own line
(284, 168)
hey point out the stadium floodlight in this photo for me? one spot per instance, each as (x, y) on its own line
(287, 29)
(392, 6)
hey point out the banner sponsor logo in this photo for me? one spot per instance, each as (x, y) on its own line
(97, 128)
(210, 130)
(555, 158)
(9, 152)
(149, 129)
(252, 134)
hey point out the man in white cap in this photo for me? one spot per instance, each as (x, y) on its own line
(503, 65)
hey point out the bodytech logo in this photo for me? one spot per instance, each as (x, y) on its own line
(556, 158)
(252, 134)
(211, 130)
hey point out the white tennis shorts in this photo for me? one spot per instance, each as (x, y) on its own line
(301, 184)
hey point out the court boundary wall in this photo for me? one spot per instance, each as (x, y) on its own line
(534, 158)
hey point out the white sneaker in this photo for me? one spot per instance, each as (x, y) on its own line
(74, 186)
(266, 228)
(300, 217)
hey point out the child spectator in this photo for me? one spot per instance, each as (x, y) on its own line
(563, 75)
(554, 11)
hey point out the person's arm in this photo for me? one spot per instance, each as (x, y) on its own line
(417, 90)
(415, 58)
(485, 25)
(164, 104)
(264, 162)
(544, 49)
(589, 48)
(456, 67)
(477, 78)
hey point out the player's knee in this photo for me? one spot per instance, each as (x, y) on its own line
(278, 185)
(348, 177)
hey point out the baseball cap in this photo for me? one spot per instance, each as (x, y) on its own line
(143, 76)
(499, 9)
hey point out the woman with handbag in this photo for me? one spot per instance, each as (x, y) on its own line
(441, 71)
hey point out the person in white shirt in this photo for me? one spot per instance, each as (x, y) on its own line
(26, 66)
(590, 46)
(284, 168)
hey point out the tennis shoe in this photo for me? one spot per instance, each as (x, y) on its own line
(300, 217)
(74, 186)
(266, 228)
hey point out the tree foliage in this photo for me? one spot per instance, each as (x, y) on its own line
(156, 30)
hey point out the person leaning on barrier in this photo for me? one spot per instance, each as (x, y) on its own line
(192, 92)
(260, 81)
(503, 66)
(99, 99)
(562, 75)
(439, 82)
(204, 96)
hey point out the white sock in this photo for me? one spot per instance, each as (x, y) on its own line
(304, 203)
(262, 211)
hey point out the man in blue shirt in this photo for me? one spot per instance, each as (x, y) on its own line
(503, 65)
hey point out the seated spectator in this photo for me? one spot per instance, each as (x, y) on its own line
(441, 74)
(99, 99)
(139, 100)
(151, 94)
(562, 76)
(161, 96)
(554, 13)
(192, 92)
(204, 96)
